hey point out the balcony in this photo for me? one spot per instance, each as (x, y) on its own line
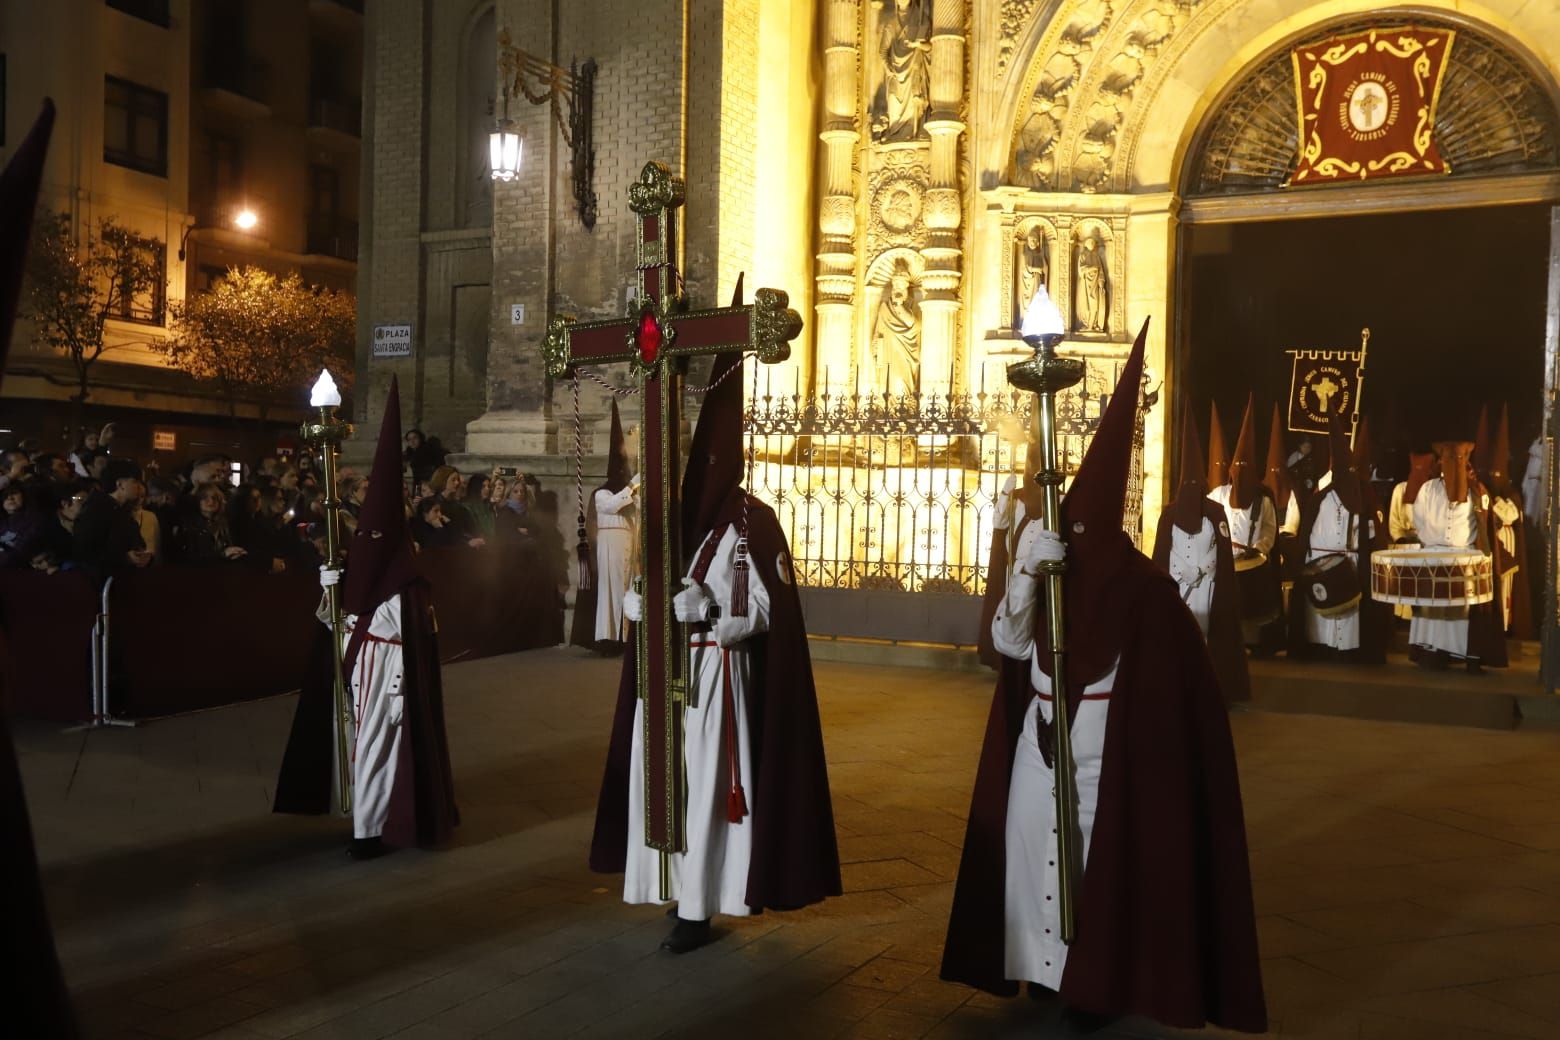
(335, 123)
(237, 86)
(330, 235)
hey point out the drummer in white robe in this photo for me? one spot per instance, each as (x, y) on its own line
(1446, 516)
(1336, 521)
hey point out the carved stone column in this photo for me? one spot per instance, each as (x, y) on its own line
(943, 208)
(836, 272)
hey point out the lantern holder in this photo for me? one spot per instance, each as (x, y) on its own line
(542, 83)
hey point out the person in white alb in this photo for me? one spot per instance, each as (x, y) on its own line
(616, 506)
(1450, 513)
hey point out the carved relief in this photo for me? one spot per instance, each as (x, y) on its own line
(1015, 15)
(904, 50)
(897, 189)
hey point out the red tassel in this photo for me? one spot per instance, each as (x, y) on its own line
(739, 581)
(583, 551)
(736, 804)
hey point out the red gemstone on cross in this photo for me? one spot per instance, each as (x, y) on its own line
(649, 337)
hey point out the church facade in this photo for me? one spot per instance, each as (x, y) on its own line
(910, 171)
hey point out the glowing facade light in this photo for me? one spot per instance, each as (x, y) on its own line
(325, 394)
(1043, 318)
(246, 220)
(505, 150)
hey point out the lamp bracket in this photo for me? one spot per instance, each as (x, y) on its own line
(542, 83)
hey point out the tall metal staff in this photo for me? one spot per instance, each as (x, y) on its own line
(325, 432)
(1046, 375)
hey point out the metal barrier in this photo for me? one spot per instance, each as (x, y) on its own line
(101, 715)
(898, 493)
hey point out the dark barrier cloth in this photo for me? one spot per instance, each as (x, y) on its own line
(495, 600)
(46, 662)
(183, 639)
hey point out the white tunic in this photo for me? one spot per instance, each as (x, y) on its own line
(614, 558)
(1400, 516)
(1194, 560)
(1034, 951)
(1334, 530)
(1442, 525)
(712, 875)
(1255, 527)
(377, 708)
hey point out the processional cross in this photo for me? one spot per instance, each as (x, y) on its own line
(657, 339)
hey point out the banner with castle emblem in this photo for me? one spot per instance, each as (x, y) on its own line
(1325, 383)
(1367, 103)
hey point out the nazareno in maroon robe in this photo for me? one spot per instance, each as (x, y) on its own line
(1165, 921)
(795, 859)
(422, 800)
(1226, 644)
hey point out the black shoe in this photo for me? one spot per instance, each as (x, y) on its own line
(687, 936)
(367, 848)
(1038, 993)
(1474, 668)
(1077, 1022)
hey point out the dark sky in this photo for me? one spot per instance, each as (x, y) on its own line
(1455, 301)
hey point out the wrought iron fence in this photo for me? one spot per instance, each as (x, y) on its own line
(883, 491)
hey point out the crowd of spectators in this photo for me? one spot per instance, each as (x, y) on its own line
(104, 513)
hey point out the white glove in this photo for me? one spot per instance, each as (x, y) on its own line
(692, 604)
(634, 481)
(633, 606)
(329, 576)
(397, 708)
(1037, 546)
(1005, 503)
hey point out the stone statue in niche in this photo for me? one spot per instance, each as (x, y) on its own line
(1031, 271)
(905, 47)
(1093, 286)
(896, 333)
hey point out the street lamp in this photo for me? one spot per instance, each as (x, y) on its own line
(543, 83)
(245, 219)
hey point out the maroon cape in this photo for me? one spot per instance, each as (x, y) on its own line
(422, 801)
(1165, 921)
(1225, 641)
(795, 859)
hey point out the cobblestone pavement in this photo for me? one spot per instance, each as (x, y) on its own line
(1408, 880)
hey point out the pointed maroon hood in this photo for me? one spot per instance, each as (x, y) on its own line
(380, 557)
(617, 457)
(715, 457)
(1244, 475)
(1421, 468)
(1481, 441)
(1098, 550)
(1218, 454)
(1193, 491)
(1344, 480)
(1497, 470)
(1277, 476)
(18, 199)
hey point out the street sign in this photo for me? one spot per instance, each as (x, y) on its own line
(392, 341)
(517, 314)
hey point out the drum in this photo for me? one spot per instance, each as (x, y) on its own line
(1432, 577)
(1260, 599)
(1331, 584)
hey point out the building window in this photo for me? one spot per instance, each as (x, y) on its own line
(148, 308)
(224, 173)
(154, 11)
(135, 126)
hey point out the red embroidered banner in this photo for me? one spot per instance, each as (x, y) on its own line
(1367, 104)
